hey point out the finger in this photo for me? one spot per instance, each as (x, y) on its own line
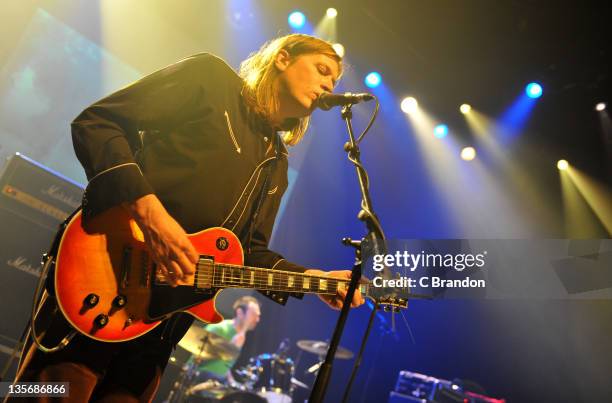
(160, 271)
(332, 302)
(185, 263)
(164, 274)
(191, 252)
(174, 272)
(358, 298)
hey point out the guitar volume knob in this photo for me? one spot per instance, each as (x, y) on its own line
(119, 301)
(91, 300)
(101, 320)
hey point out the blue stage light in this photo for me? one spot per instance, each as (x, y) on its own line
(533, 90)
(441, 131)
(373, 79)
(297, 19)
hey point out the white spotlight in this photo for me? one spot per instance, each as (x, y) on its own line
(339, 49)
(600, 107)
(465, 108)
(331, 12)
(409, 105)
(562, 165)
(468, 153)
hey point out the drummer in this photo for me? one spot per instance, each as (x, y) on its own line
(247, 311)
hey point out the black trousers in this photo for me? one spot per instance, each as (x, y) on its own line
(98, 371)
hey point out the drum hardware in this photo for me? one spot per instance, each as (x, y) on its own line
(204, 346)
(296, 382)
(315, 368)
(320, 349)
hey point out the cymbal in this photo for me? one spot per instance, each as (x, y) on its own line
(320, 348)
(211, 389)
(207, 345)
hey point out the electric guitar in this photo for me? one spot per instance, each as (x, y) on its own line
(109, 289)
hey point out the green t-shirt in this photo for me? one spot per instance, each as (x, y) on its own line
(226, 330)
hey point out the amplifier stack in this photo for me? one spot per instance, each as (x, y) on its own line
(34, 200)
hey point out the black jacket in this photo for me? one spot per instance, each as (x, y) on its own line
(184, 134)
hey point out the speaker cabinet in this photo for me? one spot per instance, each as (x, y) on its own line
(34, 201)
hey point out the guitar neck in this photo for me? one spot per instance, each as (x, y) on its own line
(221, 275)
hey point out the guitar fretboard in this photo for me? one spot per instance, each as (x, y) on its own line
(216, 275)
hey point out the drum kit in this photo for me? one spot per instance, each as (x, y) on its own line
(266, 378)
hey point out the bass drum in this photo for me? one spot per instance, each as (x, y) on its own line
(231, 397)
(243, 397)
(272, 396)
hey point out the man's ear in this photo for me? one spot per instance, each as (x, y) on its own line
(282, 60)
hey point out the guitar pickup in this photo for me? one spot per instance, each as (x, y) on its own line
(204, 274)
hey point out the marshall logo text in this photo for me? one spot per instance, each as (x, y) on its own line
(56, 193)
(21, 263)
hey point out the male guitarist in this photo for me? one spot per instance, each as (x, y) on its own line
(189, 147)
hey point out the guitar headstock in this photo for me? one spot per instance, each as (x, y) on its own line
(385, 287)
(389, 299)
(392, 304)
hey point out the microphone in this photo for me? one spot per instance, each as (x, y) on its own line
(328, 100)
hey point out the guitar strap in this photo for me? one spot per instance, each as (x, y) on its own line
(268, 169)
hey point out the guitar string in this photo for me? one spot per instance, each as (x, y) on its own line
(265, 272)
(278, 284)
(226, 277)
(261, 277)
(230, 281)
(219, 279)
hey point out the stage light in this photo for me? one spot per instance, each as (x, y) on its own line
(533, 90)
(373, 79)
(339, 49)
(465, 108)
(297, 20)
(441, 131)
(600, 107)
(468, 153)
(409, 105)
(331, 12)
(562, 165)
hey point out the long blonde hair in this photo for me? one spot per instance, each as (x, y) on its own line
(259, 74)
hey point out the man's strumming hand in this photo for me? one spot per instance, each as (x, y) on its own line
(166, 240)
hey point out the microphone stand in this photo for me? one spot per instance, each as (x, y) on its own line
(375, 234)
